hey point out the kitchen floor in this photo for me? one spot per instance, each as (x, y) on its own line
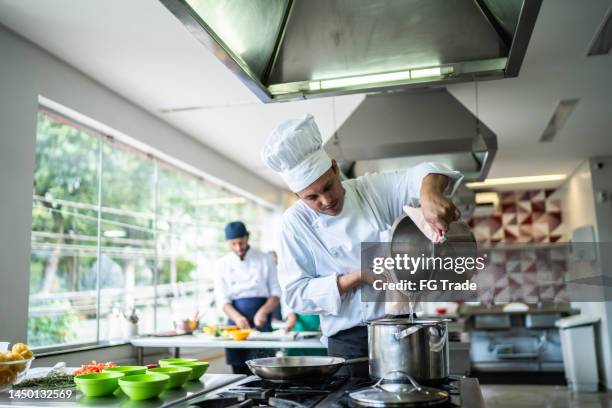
(542, 396)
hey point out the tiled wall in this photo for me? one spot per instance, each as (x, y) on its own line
(522, 273)
(522, 217)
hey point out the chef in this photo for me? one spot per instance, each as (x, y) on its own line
(319, 257)
(247, 289)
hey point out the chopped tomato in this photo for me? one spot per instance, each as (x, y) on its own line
(93, 367)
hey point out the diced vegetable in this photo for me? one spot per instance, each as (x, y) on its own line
(93, 367)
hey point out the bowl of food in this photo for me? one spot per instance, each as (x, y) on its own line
(178, 374)
(198, 368)
(167, 361)
(186, 326)
(98, 384)
(127, 370)
(14, 365)
(144, 386)
(240, 334)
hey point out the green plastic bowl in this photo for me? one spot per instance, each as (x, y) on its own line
(143, 386)
(127, 370)
(97, 384)
(164, 362)
(198, 368)
(178, 374)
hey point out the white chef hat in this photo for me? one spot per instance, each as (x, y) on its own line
(294, 150)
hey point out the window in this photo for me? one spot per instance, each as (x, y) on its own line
(114, 231)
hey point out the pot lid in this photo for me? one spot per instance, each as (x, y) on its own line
(398, 395)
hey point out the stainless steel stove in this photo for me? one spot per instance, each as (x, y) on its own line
(334, 393)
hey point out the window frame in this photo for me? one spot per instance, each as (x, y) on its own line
(105, 139)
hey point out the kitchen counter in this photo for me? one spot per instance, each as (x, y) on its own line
(191, 341)
(169, 398)
(196, 341)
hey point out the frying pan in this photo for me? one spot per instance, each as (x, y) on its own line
(299, 368)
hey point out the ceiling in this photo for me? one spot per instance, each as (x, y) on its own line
(162, 67)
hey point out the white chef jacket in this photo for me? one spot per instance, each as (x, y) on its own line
(315, 247)
(255, 276)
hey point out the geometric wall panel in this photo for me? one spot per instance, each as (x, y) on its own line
(529, 273)
(522, 217)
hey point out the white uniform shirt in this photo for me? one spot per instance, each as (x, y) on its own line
(255, 276)
(315, 247)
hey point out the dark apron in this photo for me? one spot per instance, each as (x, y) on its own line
(248, 307)
(351, 343)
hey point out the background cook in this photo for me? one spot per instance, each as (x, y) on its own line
(247, 289)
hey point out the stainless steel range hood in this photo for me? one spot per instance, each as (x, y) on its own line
(296, 49)
(396, 130)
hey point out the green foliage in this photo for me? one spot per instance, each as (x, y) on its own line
(185, 270)
(53, 328)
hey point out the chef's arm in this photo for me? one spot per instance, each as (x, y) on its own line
(235, 315)
(351, 280)
(291, 321)
(438, 210)
(435, 183)
(304, 290)
(261, 316)
(348, 282)
(269, 306)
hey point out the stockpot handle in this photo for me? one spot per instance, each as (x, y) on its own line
(356, 360)
(415, 384)
(407, 332)
(439, 345)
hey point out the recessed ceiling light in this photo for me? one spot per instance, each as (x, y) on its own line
(558, 119)
(516, 180)
(487, 197)
(603, 39)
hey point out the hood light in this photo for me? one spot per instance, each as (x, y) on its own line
(516, 180)
(360, 81)
(426, 73)
(364, 80)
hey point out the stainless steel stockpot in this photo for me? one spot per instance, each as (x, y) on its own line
(416, 347)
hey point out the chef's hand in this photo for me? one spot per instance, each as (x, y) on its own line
(369, 277)
(351, 280)
(290, 323)
(438, 210)
(242, 322)
(260, 318)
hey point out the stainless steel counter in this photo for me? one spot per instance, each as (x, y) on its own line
(169, 398)
(560, 308)
(191, 341)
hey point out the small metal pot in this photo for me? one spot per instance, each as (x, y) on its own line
(416, 347)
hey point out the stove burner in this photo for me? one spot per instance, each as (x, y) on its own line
(255, 392)
(257, 383)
